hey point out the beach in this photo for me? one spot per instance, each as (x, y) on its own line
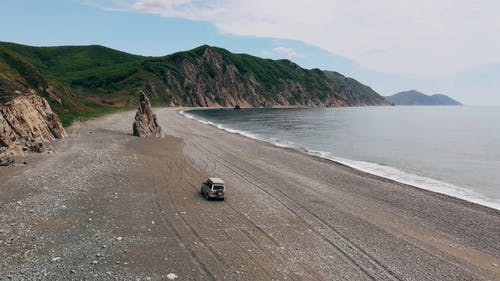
(106, 205)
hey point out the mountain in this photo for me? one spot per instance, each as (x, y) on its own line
(413, 97)
(85, 81)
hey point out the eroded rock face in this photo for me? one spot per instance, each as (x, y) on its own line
(26, 123)
(146, 124)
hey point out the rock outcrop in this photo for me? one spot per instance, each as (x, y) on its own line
(145, 124)
(26, 124)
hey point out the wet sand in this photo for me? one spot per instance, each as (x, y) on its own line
(106, 205)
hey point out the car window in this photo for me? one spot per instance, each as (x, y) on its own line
(218, 187)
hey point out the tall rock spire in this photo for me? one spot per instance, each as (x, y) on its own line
(146, 124)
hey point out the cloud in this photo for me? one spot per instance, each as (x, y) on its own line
(417, 37)
(288, 52)
(187, 9)
(107, 5)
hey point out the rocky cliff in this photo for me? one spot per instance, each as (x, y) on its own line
(27, 123)
(209, 76)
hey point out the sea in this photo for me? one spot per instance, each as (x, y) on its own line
(454, 150)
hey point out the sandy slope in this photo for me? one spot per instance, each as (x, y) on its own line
(107, 205)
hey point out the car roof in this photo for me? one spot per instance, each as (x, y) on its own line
(216, 180)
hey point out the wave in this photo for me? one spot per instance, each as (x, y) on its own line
(380, 170)
(421, 182)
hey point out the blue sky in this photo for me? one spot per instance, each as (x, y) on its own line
(448, 47)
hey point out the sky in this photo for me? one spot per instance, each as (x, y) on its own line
(450, 47)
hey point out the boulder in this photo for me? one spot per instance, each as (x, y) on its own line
(26, 123)
(146, 124)
(6, 161)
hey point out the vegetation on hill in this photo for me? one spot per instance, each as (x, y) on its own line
(86, 81)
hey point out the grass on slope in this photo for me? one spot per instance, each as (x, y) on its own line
(67, 118)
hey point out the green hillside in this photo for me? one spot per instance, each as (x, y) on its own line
(86, 81)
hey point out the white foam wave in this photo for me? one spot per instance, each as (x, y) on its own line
(412, 179)
(372, 168)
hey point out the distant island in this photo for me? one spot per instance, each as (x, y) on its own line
(413, 97)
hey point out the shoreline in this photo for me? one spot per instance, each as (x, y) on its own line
(385, 172)
(106, 205)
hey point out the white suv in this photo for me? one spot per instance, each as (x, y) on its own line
(213, 188)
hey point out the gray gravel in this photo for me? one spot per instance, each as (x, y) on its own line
(105, 205)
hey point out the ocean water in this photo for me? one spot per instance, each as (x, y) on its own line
(450, 150)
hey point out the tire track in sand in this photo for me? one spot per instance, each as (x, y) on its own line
(212, 251)
(251, 238)
(178, 237)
